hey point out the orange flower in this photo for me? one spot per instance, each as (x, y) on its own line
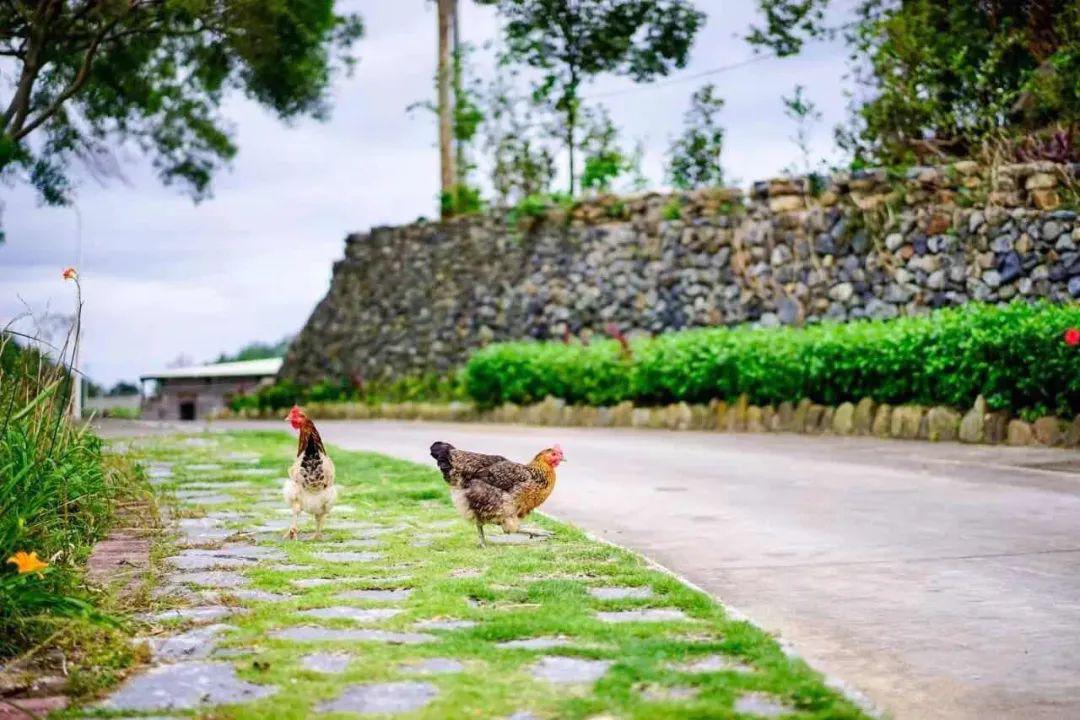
(71, 274)
(27, 563)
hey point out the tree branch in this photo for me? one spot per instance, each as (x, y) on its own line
(76, 84)
(19, 106)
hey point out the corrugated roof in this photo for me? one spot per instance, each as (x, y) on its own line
(247, 368)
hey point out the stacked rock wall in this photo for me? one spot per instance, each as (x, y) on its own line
(418, 298)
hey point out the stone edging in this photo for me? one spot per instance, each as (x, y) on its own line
(866, 418)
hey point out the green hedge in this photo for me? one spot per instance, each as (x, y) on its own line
(1014, 355)
(283, 394)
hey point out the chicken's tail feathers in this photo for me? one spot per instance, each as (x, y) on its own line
(441, 452)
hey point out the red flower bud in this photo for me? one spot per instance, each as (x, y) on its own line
(1072, 337)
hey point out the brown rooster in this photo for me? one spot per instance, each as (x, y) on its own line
(310, 486)
(491, 490)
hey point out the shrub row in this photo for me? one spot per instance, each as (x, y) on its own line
(284, 394)
(1014, 355)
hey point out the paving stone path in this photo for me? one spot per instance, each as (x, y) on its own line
(396, 613)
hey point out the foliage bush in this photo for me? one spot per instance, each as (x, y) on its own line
(1013, 355)
(944, 78)
(57, 497)
(284, 393)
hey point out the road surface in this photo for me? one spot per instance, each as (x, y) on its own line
(940, 580)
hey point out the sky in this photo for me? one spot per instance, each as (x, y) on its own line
(164, 277)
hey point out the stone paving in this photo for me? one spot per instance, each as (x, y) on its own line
(366, 621)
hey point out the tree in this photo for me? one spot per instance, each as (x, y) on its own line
(123, 388)
(444, 82)
(88, 76)
(804, 113)
(258, 351)
(945, 78)
(522, 164)
(694, 157)
(605, 159)
(571, 41)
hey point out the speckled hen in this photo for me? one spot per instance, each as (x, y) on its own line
(310, 487)
(491, 490)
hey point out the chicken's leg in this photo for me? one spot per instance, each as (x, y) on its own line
(319, 519)
(513, 525)
(480, 532)
(293, 531)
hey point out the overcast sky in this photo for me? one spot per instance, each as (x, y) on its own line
(164, 277)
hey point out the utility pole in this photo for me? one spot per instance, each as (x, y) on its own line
(447, 173)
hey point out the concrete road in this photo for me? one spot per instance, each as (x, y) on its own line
(942, 581)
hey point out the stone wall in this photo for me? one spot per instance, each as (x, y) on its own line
(418, 298)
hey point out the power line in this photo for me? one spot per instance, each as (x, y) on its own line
(679, 80)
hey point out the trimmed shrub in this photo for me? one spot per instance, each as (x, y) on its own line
(1014, 355)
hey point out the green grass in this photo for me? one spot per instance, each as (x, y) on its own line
(511, 591)
(58, 496)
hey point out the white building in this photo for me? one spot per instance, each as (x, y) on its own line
(192, 393)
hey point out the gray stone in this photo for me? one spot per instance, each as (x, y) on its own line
(199, 614)
(159, 471)
(714, 663)
(202, 530)
(259, 595)
(202, 467)
(843, 422)
(192, 645)
(343, 612)
(1019, 433)
(347, 556)
(200, 560)
(326, 662)
(433, 666)
(568, 670)
(382, 698)
(187, 686)
(842, 292)
(942, 423)
(313, 633)
(973, 424)
(208, 499)
(863, 417)
(781, 255)
(1051, 229)
(536, 643)
(313, 582)
(213, 578)
(291, 567)
(1047, 431)
(516, 539)
(906, 422)
(663, 693)
(644, 615)
(621, 593)
(762, 705)
(389, 595)
(446, 624)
